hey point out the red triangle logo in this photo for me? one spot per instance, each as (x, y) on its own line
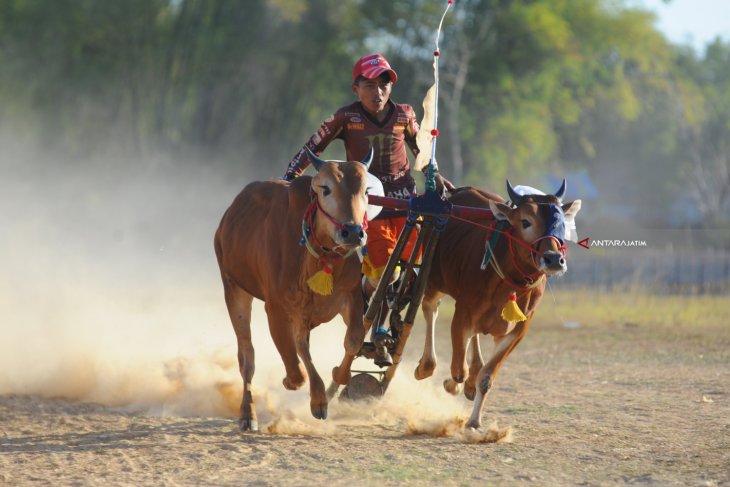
(584, 243)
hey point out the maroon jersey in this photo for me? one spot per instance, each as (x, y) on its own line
(359, 130)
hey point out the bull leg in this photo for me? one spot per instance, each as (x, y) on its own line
(461, 332)
(475, 365)
(354, 339)
(283, 334)
(427, 363)
(238, 303)
(503, 347)
(317, 396)
(352, 315)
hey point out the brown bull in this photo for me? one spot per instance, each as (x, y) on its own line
(526, 249)
(260, 256)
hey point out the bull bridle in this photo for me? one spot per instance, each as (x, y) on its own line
(556, 216)
(531, 279)
(309, 233)
(534, 253)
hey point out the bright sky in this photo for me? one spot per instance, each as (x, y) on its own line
(694, 22)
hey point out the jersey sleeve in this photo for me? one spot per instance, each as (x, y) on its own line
(317, 143)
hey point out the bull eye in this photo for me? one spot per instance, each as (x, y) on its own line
(526, 224)
(325, 190)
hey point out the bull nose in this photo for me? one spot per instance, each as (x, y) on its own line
(352, 233)
(554, 261)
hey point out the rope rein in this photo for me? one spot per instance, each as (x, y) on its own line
(532, 279)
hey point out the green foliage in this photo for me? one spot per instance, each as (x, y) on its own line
(702, 103)
(542, 78)
(528, 87)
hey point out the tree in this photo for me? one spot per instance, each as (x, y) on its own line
(702, 96)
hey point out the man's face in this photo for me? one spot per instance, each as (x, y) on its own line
(373, 93)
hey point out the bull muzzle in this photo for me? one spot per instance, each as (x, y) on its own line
(351, 234)
(554, 262)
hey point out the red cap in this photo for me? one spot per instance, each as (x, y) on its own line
(372, 66)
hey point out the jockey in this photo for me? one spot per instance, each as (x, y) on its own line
(374, 121)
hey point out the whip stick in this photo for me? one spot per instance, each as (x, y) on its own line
(431, 175)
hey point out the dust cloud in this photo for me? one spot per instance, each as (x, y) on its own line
(111, 294)
(110, 291)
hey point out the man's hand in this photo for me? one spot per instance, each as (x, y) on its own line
(443, 184)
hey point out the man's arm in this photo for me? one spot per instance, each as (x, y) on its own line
(317, 143)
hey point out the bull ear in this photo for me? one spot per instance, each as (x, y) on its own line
(561, 192)
(368, 158)
(571, 209)
(513, 196)
(316, 161)
(500, 211)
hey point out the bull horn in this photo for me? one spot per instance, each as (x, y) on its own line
(368, 158)
(316, 161)
(561, 192)
(513, 196)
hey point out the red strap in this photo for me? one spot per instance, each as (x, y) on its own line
(309, 216)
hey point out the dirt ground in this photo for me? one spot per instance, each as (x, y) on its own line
(580, 404)
(117, 363)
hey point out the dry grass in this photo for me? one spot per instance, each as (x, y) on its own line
(596, 308)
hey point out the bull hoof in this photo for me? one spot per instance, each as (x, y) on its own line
(451, 386)
(474, 425)
(290, 384)
(470, 391)
(340, 376)
(248, 425)
(320, 411)
(422, 372)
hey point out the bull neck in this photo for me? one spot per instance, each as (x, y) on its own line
(374, 119)
(508, 267)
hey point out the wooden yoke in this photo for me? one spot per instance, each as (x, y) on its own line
(430, 233)
(435, 212)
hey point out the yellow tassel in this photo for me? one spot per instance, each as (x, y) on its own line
(512, 312)
(322, 282)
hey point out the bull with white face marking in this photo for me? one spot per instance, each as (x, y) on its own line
(482, 267)
(272, 239)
